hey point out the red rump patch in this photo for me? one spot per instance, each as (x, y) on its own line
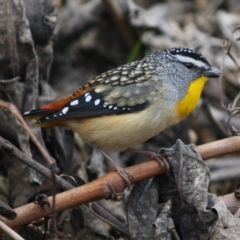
(56, 105)
(47, 107)
(59, 104)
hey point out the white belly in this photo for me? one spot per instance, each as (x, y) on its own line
(119, 132)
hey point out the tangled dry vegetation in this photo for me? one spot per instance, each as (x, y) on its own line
(48, 49)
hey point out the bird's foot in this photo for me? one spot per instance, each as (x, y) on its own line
(160, 158)
(127, 176)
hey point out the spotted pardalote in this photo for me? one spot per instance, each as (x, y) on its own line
(131, 103)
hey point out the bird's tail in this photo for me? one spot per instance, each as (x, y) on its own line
(41, 114)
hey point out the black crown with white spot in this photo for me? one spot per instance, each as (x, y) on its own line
(188, 53)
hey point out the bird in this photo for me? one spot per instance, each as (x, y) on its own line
(131, 103)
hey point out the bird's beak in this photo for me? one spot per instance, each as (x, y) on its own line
(212, 72)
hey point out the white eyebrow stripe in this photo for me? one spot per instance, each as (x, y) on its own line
(197, 63)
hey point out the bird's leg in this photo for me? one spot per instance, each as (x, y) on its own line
(160, 158)
(121, 171)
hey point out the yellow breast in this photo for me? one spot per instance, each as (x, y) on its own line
(189, 102)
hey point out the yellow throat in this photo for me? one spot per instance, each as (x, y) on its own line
(189, 102)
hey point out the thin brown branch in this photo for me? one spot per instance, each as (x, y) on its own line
(99, 189)
(219, 148)
(12, 109)
(6, 229)
(10, 150)
(89, 192)
(226, 47)
(229, 45)
(52, 227)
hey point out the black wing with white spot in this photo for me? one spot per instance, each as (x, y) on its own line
(90, 104)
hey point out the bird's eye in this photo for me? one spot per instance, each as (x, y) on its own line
(189, 65)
